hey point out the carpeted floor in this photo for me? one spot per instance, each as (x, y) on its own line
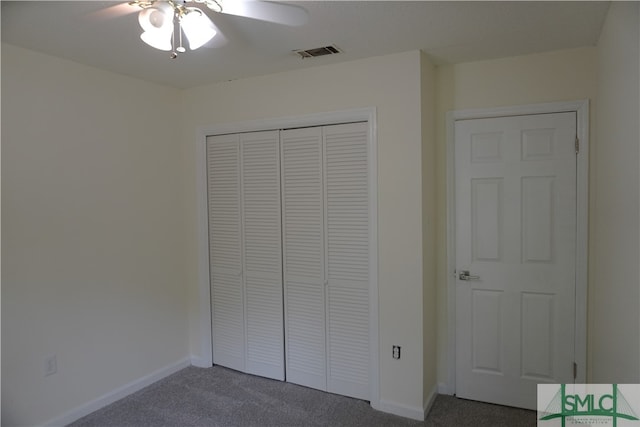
(218, 396)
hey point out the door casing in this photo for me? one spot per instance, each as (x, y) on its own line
(581, 108)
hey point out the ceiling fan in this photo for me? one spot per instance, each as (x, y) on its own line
(165, 21)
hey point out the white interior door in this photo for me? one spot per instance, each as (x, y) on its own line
(515, 185)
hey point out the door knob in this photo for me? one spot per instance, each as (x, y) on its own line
(464, 275)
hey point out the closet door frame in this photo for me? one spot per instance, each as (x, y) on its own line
(205, 356)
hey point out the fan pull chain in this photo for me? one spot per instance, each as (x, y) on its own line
(173, 54)
(180, 48)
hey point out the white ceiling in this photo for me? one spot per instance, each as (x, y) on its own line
(449, 31)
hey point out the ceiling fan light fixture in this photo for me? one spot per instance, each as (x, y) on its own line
(158, 17)
(159, 39)
(157, 23)
(197, 27)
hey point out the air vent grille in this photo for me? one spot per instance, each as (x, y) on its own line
(318, 51)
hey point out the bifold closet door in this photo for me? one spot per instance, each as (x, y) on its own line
(246, 252)
(262, 244)
(346, 177)
(303, 261)
(326, 257)
(225, 250)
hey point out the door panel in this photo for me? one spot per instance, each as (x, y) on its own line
(326, 257)
(347, 253)
(225, 242)
(487, 339)
(303, 243)
(516, 231)
(262, 254)
(243, 173)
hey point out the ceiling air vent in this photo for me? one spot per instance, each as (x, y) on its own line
(319, 51)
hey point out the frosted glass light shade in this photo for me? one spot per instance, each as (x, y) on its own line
(158, 17)
(198, 28)
(158, 39)
(157, 23)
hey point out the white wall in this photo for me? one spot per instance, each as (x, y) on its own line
(566, 75)
(92, 234)
(615, 285)
(392, 84)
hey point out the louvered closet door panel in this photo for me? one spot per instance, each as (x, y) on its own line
(347, 254)
(303, 261)
(262, 253)
(227, 299)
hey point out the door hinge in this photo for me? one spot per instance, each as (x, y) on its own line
(575, 370)
(577, 144)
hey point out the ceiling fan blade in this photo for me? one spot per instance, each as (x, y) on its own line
(279, 13)
(226, 31)
(114, 11)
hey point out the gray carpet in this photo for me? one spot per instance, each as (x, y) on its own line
(218, 396)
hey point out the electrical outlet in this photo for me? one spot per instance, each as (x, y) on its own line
(50, 365)
(396, 352)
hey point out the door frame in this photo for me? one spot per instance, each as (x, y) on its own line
(581, 108)
(369, 115)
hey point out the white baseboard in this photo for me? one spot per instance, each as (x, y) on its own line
(117, 394)
(413, 412)
(428, 402)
